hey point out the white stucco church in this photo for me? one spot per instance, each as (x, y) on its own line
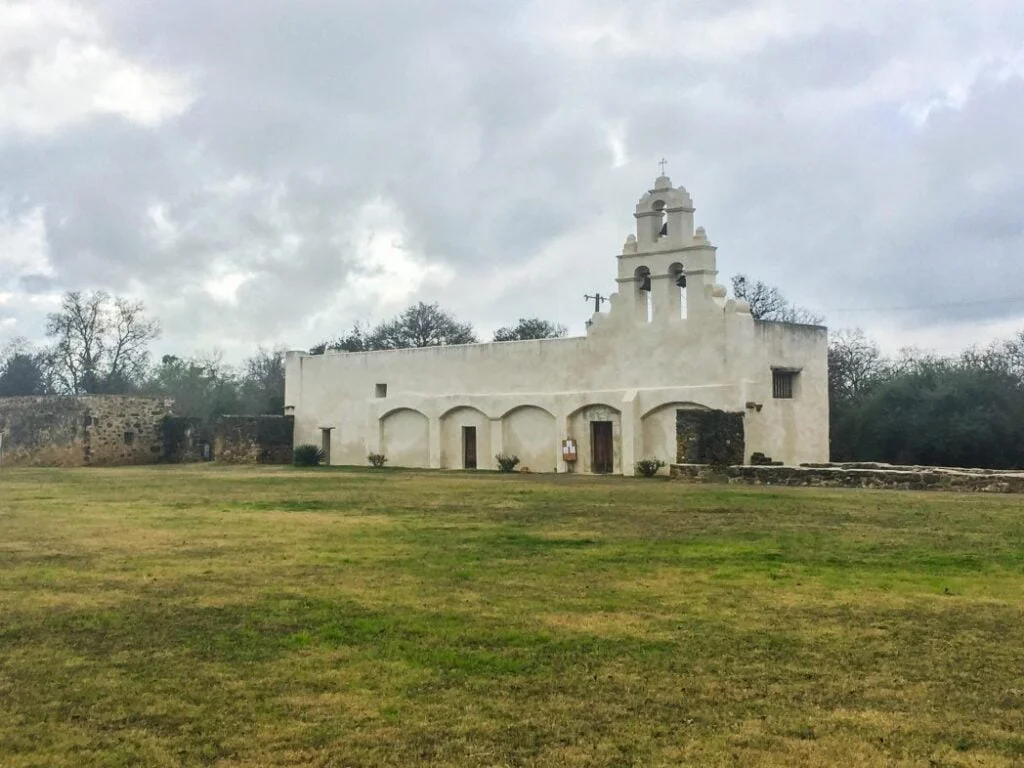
(670, 340)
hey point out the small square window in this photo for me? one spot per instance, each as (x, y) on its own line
(129, 438)
(382, 390)
(783, 384)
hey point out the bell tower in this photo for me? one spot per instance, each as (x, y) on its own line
(667, 270)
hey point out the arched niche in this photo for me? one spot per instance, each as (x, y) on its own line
(588, 437)
(529, 433)
(658, 430)
(405, 438)
(454, 439)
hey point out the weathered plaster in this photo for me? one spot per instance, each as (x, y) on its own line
(653, 352)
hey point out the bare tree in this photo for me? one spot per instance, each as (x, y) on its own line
(76, 330)
(767, 303)
(1006, 356)
(127, 350)
(101, 344)
(854, 364)
(262, 384)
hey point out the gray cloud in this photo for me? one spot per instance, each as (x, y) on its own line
(333, 162)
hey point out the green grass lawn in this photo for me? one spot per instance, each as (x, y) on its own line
(271, 616)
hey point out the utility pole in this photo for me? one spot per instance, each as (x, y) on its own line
(598, 300)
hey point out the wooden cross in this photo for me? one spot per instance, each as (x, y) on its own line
(663, 163)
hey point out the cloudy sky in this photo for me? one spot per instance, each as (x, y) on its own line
(269, 171)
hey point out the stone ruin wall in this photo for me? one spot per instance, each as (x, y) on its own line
(113, 430)
(859, 475)
(253, 439)
(87, 430)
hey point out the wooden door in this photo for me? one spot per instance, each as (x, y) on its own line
(469, 447)
(602, 460)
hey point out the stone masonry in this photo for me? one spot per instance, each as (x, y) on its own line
(87, 430)
(864, 475)
(253, 439)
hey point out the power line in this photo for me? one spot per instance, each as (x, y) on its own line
(974, 303)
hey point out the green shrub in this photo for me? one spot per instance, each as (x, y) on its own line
(377, 460)
(307, 456)
(506, 463)
(649, 467)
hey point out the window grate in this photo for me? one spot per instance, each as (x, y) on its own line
(782, 384)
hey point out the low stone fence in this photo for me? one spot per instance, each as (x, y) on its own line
(859, 475)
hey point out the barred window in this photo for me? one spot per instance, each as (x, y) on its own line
(782, 384)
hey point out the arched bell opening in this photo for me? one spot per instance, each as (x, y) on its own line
(677, 288)
(644, 303)
(661, 222)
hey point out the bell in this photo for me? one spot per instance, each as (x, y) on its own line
(664, 229)
(645, 283)
(681, 280)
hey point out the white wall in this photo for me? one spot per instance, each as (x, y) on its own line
(724, 363)
(717, 357)
(405, 438)
(529, 433)
(792, 431)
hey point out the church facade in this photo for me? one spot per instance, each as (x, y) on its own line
(671, 340)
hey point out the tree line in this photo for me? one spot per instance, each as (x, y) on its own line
(963, 410)
(913, 408)
(100, 345)
(427, 325)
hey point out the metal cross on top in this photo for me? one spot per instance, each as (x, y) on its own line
(663, 163)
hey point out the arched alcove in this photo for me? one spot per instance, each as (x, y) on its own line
(466, 439)
(658, 429)
(405, 438)
(529, 433)
(597, 429)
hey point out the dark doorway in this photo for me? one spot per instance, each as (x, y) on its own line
(325, 443)
(469, 447)
(601, 447)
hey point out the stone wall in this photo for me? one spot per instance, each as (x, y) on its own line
(709, 437)
(88, 430)
(253, 439)
(187, 440)
(859, 476)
